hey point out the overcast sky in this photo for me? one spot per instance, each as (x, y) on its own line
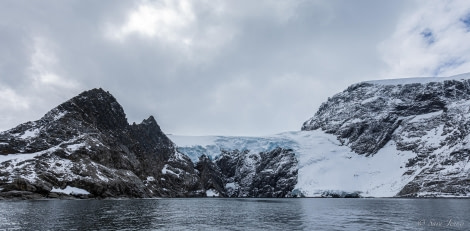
(205, 67)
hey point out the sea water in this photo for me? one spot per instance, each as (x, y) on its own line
(237, 214)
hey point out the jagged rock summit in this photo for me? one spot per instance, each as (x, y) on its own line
(87, 145)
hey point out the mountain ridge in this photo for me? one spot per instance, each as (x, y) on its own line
(374, 139)
(87, 143)
(86, 147)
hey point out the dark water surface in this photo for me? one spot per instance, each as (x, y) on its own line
(237, 214)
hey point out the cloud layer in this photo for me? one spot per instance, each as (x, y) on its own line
(432, 40)
(219, 67)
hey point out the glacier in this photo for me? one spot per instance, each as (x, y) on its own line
(324, 164)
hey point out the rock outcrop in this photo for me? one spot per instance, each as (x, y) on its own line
(265, 174)
(211, 176)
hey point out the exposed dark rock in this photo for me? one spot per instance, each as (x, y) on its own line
(210, 175)
(20, 195)
(276, 175)
(341, 194)
(266, 174)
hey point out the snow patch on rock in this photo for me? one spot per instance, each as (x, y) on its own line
(71, 191)
(212, 193)
(30, 133)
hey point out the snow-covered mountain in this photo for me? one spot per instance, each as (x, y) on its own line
(400, 137)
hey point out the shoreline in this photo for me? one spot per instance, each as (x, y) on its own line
(26, 195)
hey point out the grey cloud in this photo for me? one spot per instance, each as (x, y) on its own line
(252, 68)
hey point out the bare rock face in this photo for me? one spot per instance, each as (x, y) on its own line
(211, 176)
(87, 143)
(265, 174)
(428, 118)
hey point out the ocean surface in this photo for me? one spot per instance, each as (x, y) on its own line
(237, 214)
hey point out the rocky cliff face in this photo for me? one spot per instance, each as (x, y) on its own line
(86, 147)
(429, 117)
(87, 143)
(265, 174)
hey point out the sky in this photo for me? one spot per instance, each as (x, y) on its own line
(216, 67)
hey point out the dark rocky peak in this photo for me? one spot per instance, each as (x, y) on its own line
(150, 122)
(150, 126)
(97, 107)
(87, 142)
(91, 112)
(149, 134)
